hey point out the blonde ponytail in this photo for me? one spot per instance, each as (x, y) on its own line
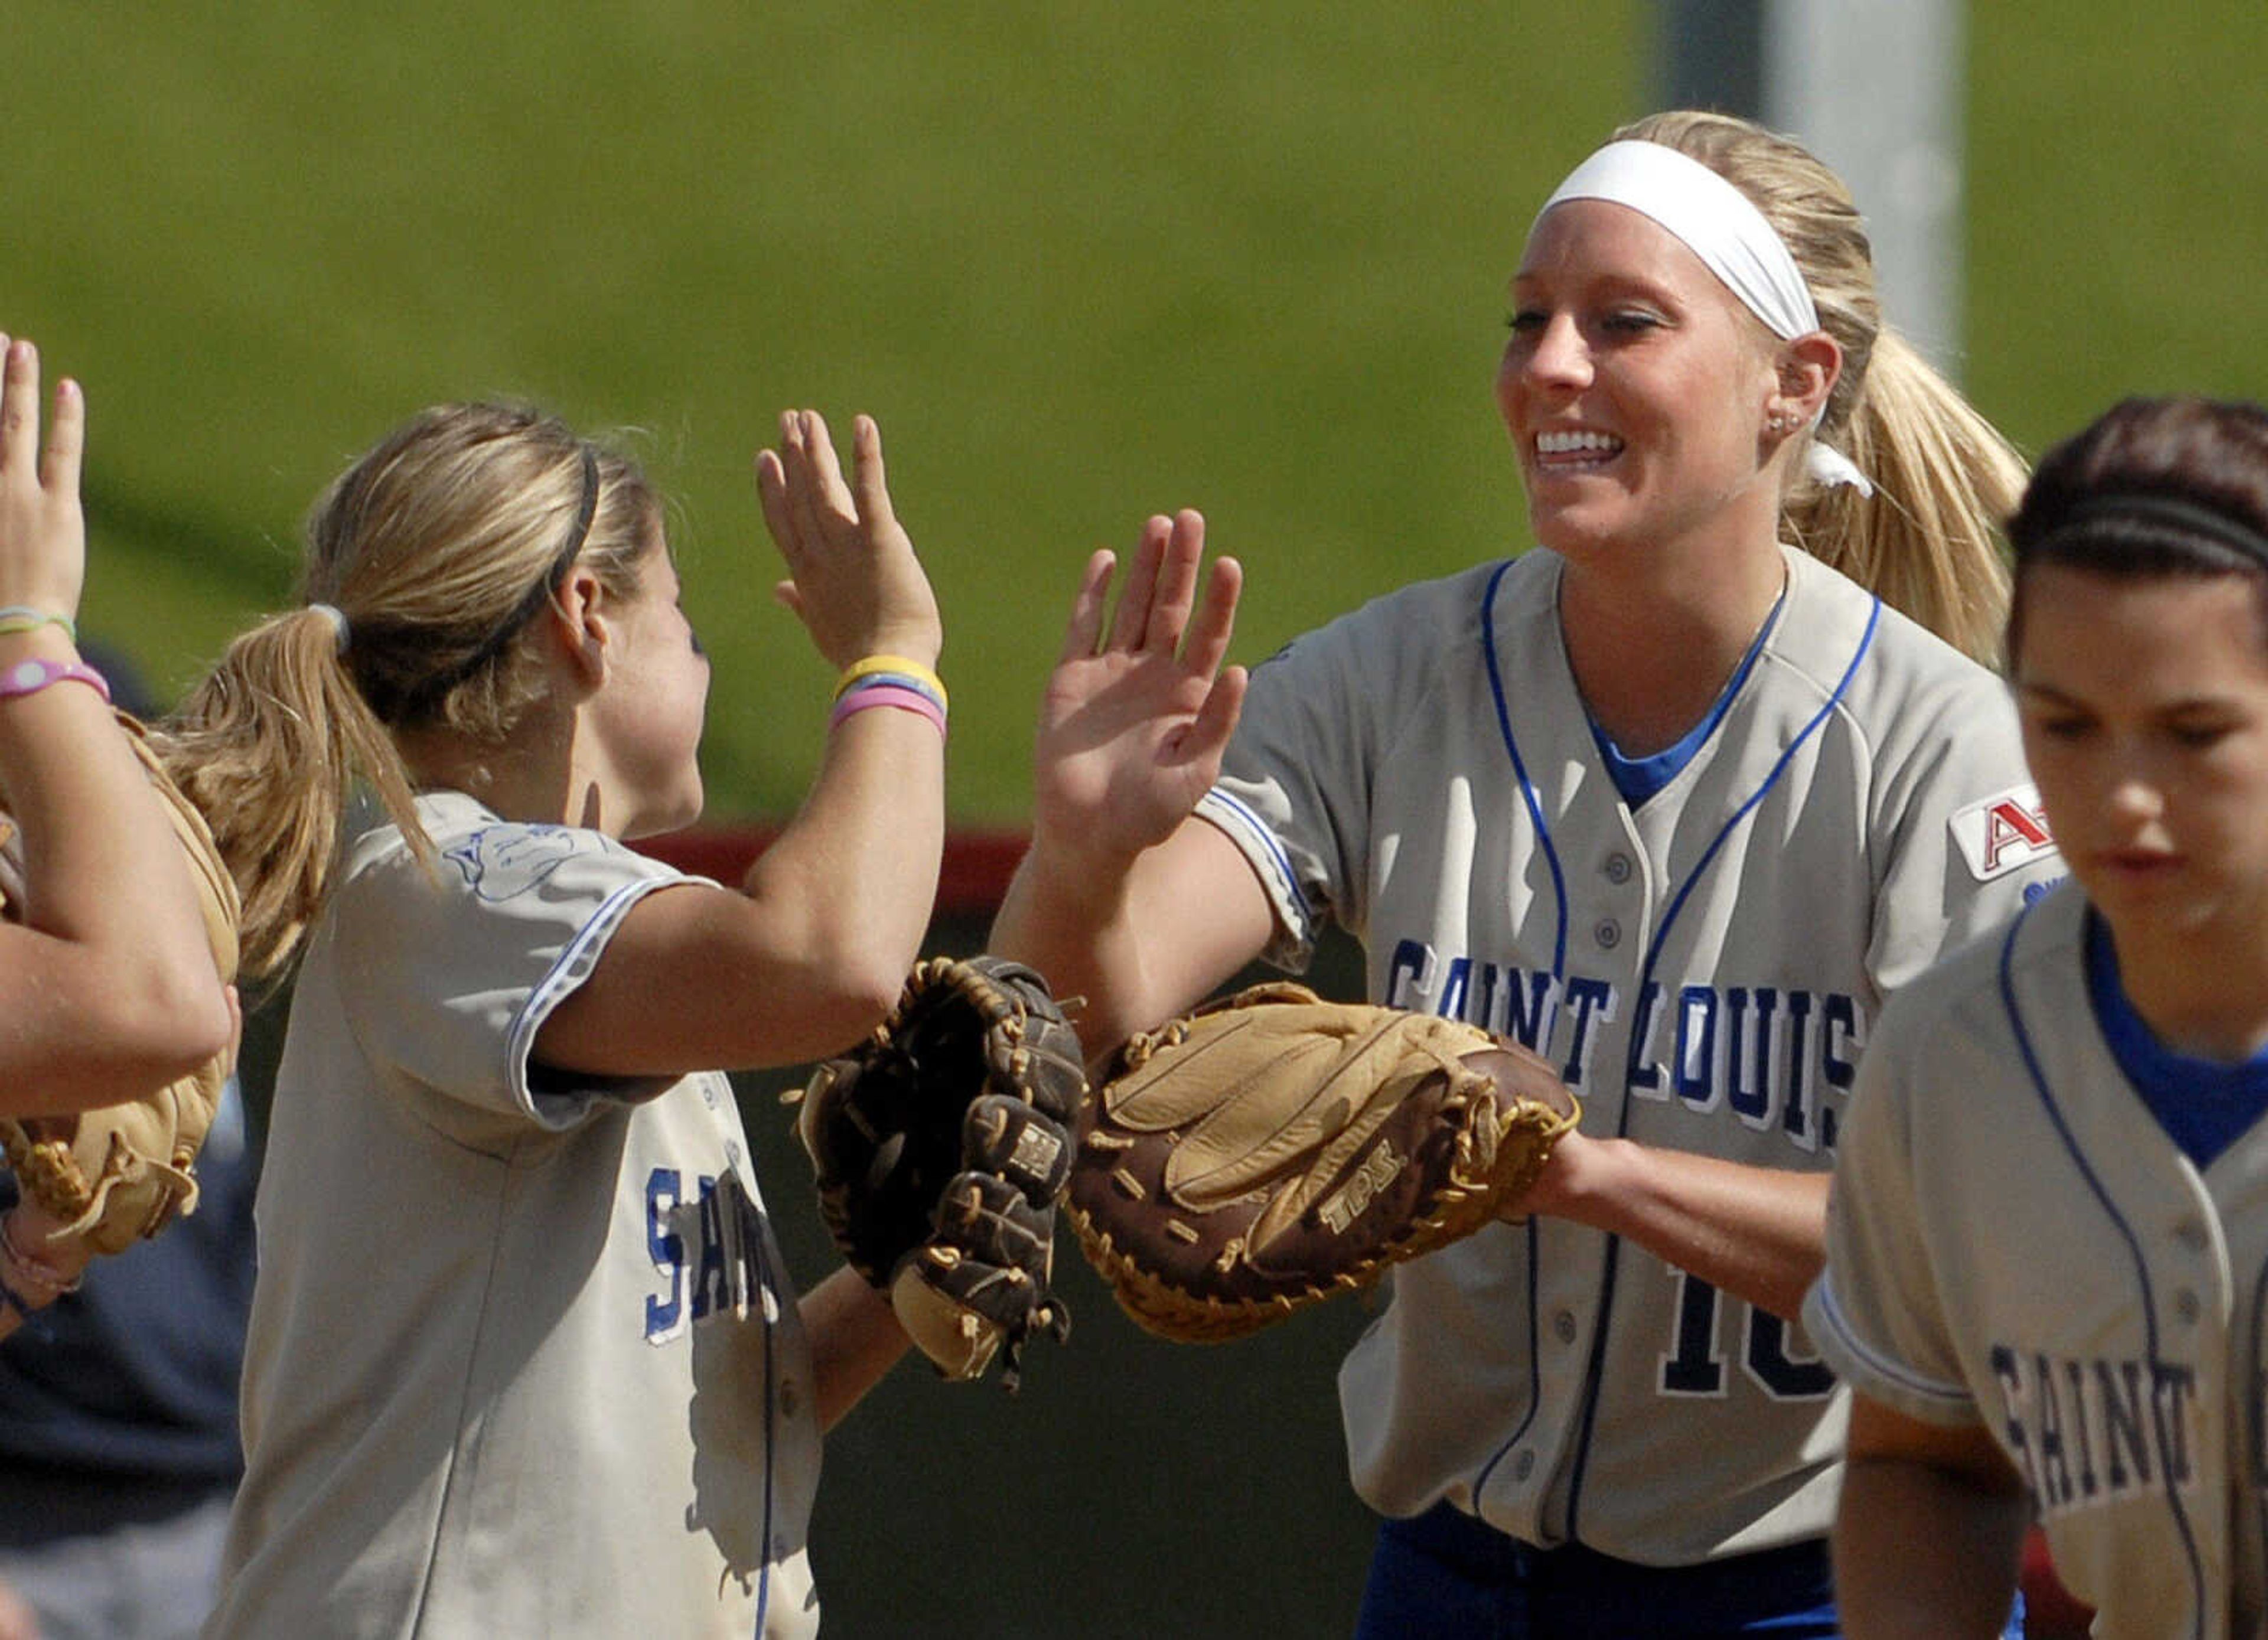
(270, 747)
(1945, 480)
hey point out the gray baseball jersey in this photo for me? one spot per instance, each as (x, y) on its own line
(523, 1358)
(2014, 1240)
(1704, 971)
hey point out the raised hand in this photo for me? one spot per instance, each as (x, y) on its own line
(42, 531)
(853, 579)
(1135, 719)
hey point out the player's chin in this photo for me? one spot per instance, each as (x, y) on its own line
(1577, 526)
(675, 813)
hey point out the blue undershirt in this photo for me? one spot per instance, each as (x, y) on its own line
(1639, 778)
(2203, 1105)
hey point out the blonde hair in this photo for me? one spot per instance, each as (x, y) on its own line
(1944, 480)
(437, 547)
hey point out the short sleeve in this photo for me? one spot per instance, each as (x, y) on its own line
(447, 976)
(1298, 791)
(1969, 845)
(1874, 1312)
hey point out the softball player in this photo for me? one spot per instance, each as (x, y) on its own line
(522, 1356)
(2048, 1249)
(1667, 799)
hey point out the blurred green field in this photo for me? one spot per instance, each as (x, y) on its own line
(1084, 261)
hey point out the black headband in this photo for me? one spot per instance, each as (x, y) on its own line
(435, 689)
(2170, 511)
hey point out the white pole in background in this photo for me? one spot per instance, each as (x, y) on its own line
(1874, 88)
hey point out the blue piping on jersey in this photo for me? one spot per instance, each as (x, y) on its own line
(1558, 974)
(766, 1297)
(1264, 835)
(1595, 1374)
(1953, 1397)
(2126, 1233)
(1527, 786)
(1535, 1380)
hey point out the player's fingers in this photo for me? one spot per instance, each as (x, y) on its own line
(1216, 619)
(772, 492)
(802, 478)
(1084, 629)
(870, 484)
(1208, 733)
(20, 407)
(787, 596)
(59, 466)
(1133, 617)
(1176, 591)
(832, 495)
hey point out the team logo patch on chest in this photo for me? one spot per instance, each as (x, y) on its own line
(2002, 834)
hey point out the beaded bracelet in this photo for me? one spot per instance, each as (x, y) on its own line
(913, 669)
(29, 677)
(914, 701)
(23, 618)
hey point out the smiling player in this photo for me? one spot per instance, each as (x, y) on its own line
(1668, 798)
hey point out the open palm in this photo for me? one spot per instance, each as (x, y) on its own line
(1134, 720)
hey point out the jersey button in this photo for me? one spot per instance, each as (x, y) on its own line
(1608, 933)
(1618, 867)
(2190, 1234)
(1523, 1465)
(787, 1397)
(1564, 1325)
(2187, 1307)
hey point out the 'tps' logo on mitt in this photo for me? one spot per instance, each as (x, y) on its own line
(2002, 833)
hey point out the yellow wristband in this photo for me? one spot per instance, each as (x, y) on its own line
(872, 664)
(17, 618)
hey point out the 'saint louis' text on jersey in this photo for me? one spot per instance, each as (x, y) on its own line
(2085, 1432)
(1776, 1058)
(706, 1240)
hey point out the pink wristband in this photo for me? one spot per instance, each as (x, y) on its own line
(29, 677)
(888, 695)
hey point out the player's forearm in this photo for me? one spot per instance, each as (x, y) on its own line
(1081, 932)
(113, 936)
(1923, 1555)
(855, 1341)
(854, 874)
(1758, 1233)
(1141, 940)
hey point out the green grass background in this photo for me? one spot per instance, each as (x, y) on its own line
(1084, 261)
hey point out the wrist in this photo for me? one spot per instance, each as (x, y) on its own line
(47, 640)
(1579, 1179)
(1077, 878)
(34, 1272)
(921, 645)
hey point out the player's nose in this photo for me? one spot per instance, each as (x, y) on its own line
(1554, 355)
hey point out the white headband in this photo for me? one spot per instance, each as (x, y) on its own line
(1722, 226)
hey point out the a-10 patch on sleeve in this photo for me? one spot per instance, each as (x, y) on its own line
(2003, 833)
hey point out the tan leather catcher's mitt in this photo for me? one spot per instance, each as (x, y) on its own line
(1273, 1149)
(123, 1173)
